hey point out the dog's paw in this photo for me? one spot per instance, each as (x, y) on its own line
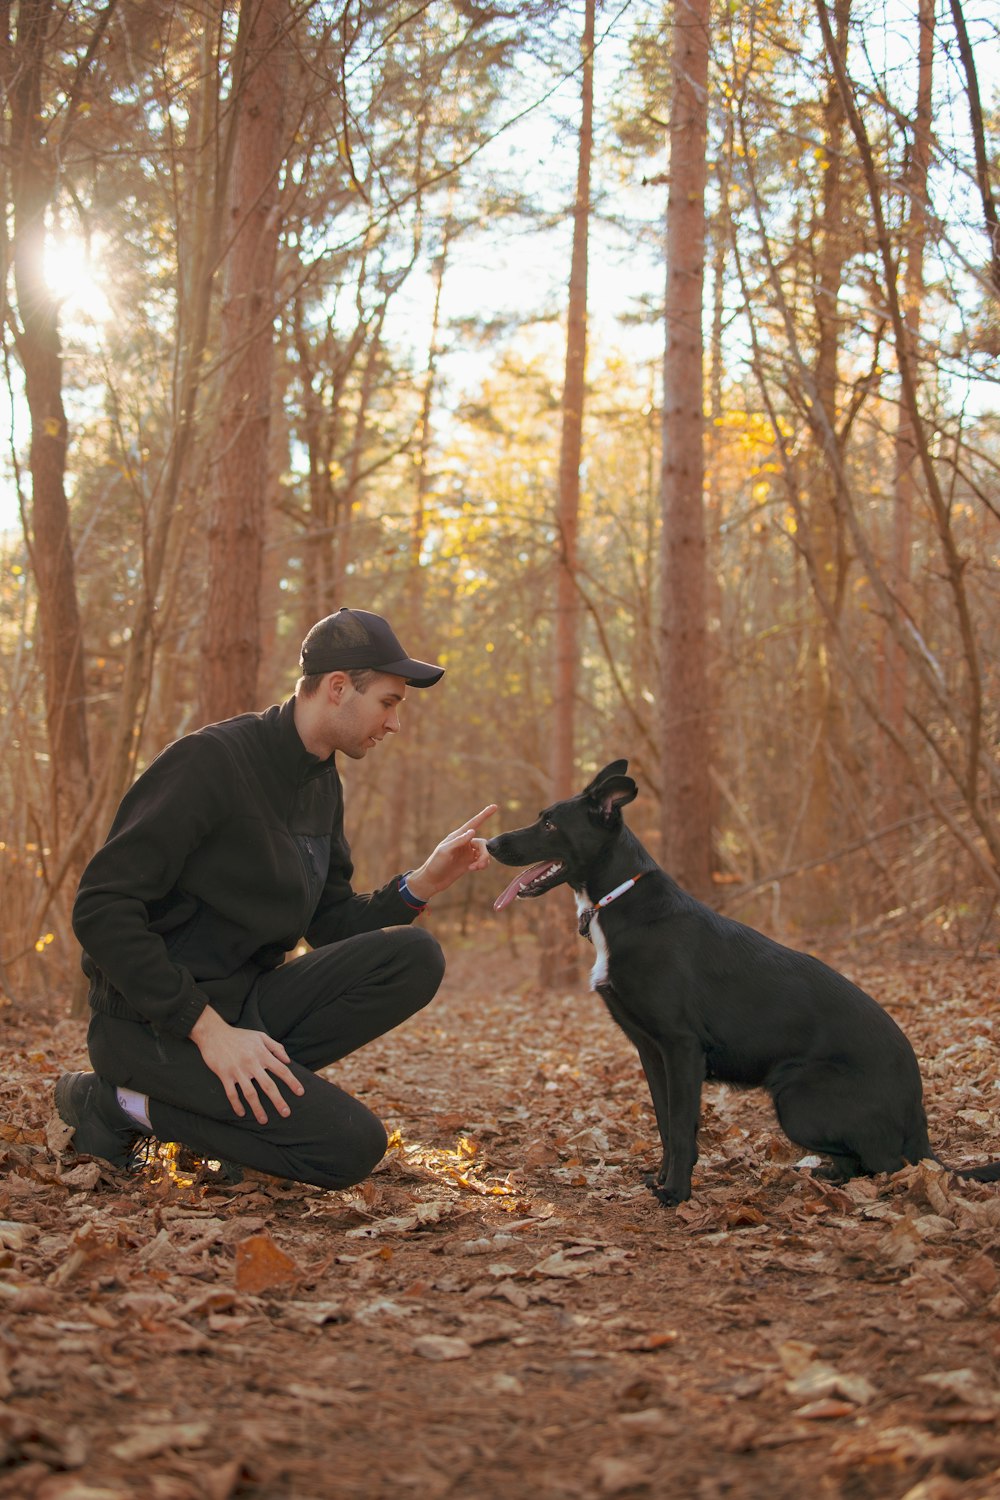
(830, 1174)
(669, 1197)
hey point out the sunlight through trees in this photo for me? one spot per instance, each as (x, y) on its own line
(285, 327)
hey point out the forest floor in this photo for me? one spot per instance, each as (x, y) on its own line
(503, 1310)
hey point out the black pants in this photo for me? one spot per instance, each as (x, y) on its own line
(321, 1007)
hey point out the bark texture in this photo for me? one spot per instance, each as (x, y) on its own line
(684, 691)
(231, 652)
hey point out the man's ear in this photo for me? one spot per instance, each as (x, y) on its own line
(612, 794)
(336, 683)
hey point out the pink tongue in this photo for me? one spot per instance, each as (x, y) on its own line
(508, 894)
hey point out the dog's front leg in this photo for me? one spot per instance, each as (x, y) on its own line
(685, 1073)
(655, 1070)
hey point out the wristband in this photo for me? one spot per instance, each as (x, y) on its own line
(409, 896)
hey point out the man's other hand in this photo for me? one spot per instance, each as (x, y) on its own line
(245, 1061)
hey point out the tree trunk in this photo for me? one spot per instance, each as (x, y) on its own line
(231, 644)
(407, 788)
(906, 438)
(980, 145)
(48, 526)
(205, 162)
(684, 695)
(959, 754)
(822, 709)
(560, 956)
(563, 769)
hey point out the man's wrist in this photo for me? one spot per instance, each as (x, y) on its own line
(207, 1024)
(414, 890)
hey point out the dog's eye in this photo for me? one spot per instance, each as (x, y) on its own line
(548, 825)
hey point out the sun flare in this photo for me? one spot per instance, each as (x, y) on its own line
(74, 272)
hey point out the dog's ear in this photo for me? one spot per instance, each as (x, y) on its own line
(616, 768)
(612, 794)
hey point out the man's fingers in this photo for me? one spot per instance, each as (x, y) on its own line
(271, 1089)
(481, 816)
(256, 1108)
(468, 830)
(281, 1071)
(287, 1076)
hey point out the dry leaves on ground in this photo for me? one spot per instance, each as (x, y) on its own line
(503, 1309)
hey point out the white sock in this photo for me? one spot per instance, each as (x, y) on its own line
(136, 1106)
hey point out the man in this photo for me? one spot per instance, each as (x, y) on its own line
(226, 850)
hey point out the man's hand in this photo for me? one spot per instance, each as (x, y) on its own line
(456, 855)
(245, 1061)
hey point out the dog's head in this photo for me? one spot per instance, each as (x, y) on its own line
(567, 838)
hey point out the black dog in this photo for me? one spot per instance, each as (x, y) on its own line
(705, 997)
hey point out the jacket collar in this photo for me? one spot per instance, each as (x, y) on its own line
(295, 758)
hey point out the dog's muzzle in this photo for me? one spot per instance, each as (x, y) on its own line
(531, 882)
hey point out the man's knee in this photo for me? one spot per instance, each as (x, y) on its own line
(361, 1144)
(422, 958)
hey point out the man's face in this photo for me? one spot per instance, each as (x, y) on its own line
(363, 719)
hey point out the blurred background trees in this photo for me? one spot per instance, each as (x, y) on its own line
(285, 327)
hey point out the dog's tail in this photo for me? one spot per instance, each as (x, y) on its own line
(988, 1172)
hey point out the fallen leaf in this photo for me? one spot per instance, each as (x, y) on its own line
(825, 1411)
(23, 1436)
(796, 1356)
(560, 1263)
(962, 1385)
(617, 1474)
(650, 1342)
(261, 1266)
(743, 1214)
(211, 1300)
(15, 1236)
(84, 1176)
(58, 1135)
(160, 1437)
(439, 1346)
(937, 1487)
(423, 1215)
(820, 1380)
(314, 1314)
(981, 1273)
(64, 1487)
(902, 1244)
(650, 1419)
(382, 1307)
(540, 1154)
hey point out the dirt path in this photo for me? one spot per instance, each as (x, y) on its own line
(504, 1310)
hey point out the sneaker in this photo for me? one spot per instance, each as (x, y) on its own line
(100, 1125)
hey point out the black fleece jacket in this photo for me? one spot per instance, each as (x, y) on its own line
(225, 852)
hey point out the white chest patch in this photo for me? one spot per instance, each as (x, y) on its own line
(599, 973)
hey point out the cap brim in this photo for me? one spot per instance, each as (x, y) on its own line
(418, 674)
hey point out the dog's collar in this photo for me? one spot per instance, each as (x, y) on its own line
(590, 912)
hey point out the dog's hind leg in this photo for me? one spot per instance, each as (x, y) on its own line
(801, 1120)
(831, 1113)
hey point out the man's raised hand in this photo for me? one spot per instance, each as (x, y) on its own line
(459, 853)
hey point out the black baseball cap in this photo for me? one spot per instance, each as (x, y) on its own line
(355, 640)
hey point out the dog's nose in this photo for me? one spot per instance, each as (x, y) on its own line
(490, 845)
